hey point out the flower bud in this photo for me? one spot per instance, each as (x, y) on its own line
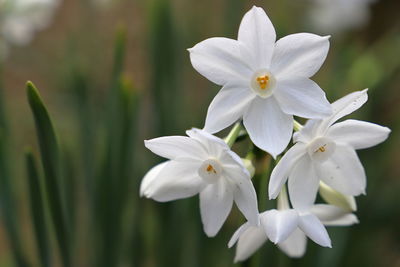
(249, 166)
(333, 197)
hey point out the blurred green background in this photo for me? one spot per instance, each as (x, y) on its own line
(114, 74)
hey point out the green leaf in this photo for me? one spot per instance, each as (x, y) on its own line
(51, 164)
(37, 210)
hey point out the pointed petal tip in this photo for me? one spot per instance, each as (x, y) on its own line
(387, 130)
(365, 91)
(327, 244)
(210, 234)
(146, 143)
(236, 260)
(273, 193)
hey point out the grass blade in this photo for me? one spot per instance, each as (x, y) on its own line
(37, 210)
(51, 164)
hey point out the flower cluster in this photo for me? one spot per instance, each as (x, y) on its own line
(264, 84)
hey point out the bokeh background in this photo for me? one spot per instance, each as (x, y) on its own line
(112, 73)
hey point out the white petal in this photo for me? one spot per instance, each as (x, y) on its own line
(151, 176)
(314, 229)
(244, 194)
(279, 224)
(300, 54)
(238, 233)
(358, 134)
(258, 34)
(344, 106)
(227, 107)
(308, 132)
(343, 171)
(303, 184)
(295, 245)
(176, 147)
(302, 97)
(231, 159)
(219, 60)
(333, 216)
(174, 180)
(213, 145)
(250, 240)
(281, 171)
(215, 204)
(268, 126)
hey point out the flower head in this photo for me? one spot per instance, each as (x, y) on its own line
(289, 229)
(326, 151)
(264, 82)
(201, 164)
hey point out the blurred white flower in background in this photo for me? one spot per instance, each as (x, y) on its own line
(333, 16)
(21, 19)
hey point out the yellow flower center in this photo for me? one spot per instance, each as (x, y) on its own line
(321, 148)
(263, 81)
(210, 168)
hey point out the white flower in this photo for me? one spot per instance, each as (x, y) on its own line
(204, 164)
(264, 82)
(339, 15)
(20, 19)
(288, 229)
(326, 151)
(295, 245)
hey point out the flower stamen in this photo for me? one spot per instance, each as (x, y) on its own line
(321, 148)
(263, 81)
(210, 168)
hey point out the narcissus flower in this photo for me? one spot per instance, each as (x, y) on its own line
(289, 229)
(326, 151)
(264, 82)
(201, 164)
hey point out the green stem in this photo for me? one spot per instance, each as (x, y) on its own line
(283, 201)
(234, 133)
(297, 126)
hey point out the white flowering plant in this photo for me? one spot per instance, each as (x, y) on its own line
(265, 83)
